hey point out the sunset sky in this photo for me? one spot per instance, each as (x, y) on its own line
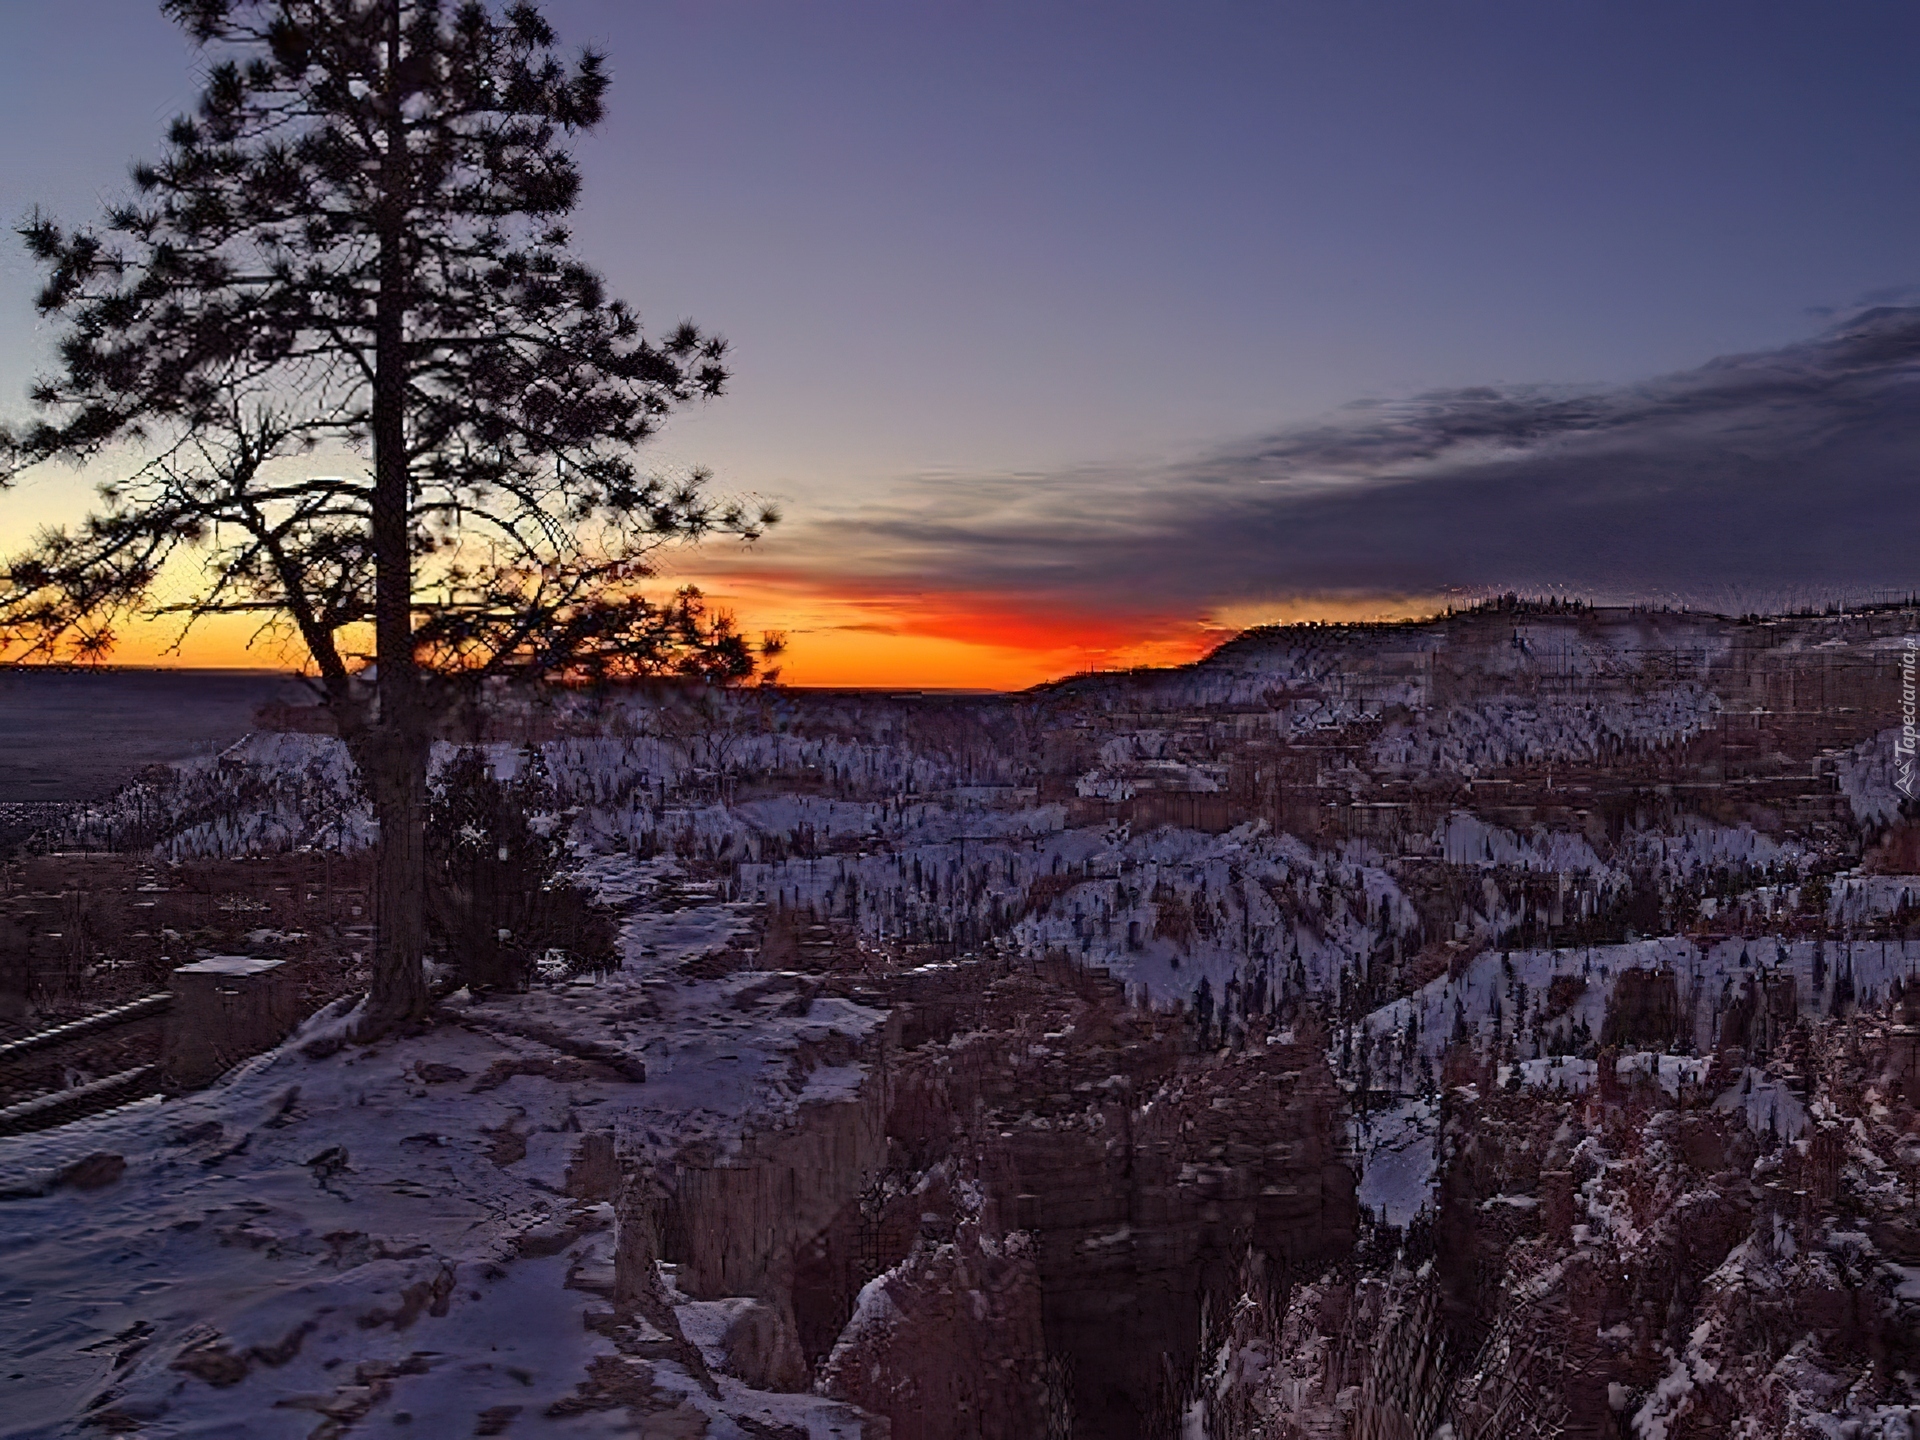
(1074, 335)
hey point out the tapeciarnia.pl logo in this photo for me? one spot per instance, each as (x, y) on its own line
(1903, 748)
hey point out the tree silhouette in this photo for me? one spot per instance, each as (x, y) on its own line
(352, 260)
(498, 897)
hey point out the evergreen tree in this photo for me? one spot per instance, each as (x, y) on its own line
(498, 900)
(356, 247)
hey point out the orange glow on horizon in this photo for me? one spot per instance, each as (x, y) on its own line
(862, 635)
(222, 642)
(855, 630)
(866, 633)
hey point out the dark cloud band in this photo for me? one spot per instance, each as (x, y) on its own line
(1776, 478)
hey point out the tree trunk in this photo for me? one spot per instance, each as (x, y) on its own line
(394, 765)
(394, 771)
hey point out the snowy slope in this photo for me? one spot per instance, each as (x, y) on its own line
(384, 1232)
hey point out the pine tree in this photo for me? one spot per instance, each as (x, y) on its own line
(498, 900)
(356, 247)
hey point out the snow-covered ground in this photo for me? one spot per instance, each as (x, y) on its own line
(1507, 730)
(1507, 994)
(1162, 910)
(1398, 1153)
(1869, 775)
(384, 1232)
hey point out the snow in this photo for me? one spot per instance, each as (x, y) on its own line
(1505, 730)
(1696, 845)
(1556, 1072)
(1256, 902)
(1767, 1104)
(1651, 1421)
(855, 811)
(1862, 899)
(1705, 977)
(1469, 840)
(295, 1205)
(1672, 1073)
(229, 965)
(1398, 1150)
(1867, 775)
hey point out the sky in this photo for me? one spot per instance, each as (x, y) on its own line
(1074, 335)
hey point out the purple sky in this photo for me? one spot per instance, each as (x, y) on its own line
(957, 242)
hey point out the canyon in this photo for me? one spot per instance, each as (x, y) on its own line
(1505, 1024)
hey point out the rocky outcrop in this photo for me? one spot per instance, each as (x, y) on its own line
(949, 1344)
(1022, 1214)
(1144, 1172)
(1643, 1010)
(735, 1222)
(1759, 1013)
(1627, 1263)
(763, 1350)
(1233, 1155)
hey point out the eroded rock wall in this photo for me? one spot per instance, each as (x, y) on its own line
(1626, 1262)
(1016, 1224)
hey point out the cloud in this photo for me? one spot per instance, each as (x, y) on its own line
(1758, 480)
